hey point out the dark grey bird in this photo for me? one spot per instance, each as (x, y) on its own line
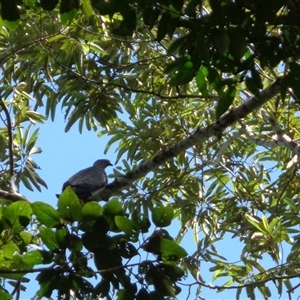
(87, 181)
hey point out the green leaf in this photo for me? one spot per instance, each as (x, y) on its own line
(221, 41)
(291, 204)
(150, 16)
(163, 25)
(91, 210)
(26, 182)
(256, 78)
(7, 252)
(202, 83)
(34, 116)
(68, 10)
(113, 208)
(48, 4)
(162, 216)
(18, 214)
(177, 45)
(171, 248)
(164, 284)
(86, 8)
(225, 100)
(48, 237)
(124, 224)
(184, 75)
(254, 222)
(175, 273)
(10, 13)
(252, 86)
(238, 42)
(128, 24)
(141, 222)
(292, 79)
(62, 235)
(177, 4)
(46, 214)
(69, 206)
(33, 257)
(5, 295)
(26, 237)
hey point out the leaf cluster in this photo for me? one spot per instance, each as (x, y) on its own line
(79, 242)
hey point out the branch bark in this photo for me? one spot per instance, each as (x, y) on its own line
(13, 196)
(10, 146)
(200, 136)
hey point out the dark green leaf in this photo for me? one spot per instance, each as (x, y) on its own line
(256, 78)
(293, 78)
(128, 24)
(61, 236)
(162, 216)
(221, 41)
(252, 86)
(238, 42)
(225, 100)
(184, 75)
(68, 10)
(150, 16)
(10, 13)
(170, 248)
(163, 25)
(48, 237)
(33, 257)
(177, 4)
(48, 4)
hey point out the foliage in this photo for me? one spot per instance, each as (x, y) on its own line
(152, 75)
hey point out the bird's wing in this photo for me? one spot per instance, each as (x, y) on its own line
(89, 177)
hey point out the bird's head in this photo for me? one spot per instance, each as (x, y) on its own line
(102, 163)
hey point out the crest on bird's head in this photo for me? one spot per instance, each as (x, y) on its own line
(102, 163)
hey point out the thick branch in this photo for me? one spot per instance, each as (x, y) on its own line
(13, 196)
(200, 136)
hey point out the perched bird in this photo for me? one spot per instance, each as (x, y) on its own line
(87, 181)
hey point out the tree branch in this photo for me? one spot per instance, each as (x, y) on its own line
(10, 145)
(13, 196)
(199, 136)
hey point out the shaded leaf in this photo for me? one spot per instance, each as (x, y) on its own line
(162, 216)
(225, 100)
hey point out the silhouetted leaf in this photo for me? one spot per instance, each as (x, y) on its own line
(48, 4)
(162, 216)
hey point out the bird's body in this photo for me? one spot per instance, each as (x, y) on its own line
(87, 181)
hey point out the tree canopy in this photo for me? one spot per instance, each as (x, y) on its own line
(201, 100)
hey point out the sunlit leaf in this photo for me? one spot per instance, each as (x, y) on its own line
(46, 214)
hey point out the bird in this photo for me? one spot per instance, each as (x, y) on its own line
(87, 181)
